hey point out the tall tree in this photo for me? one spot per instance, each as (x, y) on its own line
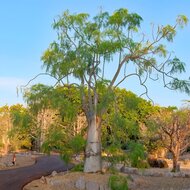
(87, 47)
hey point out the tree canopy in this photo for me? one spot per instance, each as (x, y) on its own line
(87, 47)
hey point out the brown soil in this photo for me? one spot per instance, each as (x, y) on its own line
(160, 183)
(137, 182)
(66, 179)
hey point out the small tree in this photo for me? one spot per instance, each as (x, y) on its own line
(85, 48)
(5, 127)
(174, 129)
(20, 134)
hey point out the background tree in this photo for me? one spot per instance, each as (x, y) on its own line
(40, 105)
(5, 127)
(122, 127)
(20, 134)
(87, 47)
(174, 131)
(57, 111)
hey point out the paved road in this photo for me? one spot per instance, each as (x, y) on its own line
(15, 179)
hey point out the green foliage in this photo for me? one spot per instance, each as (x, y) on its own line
(63, 141)
(122, 122)
(114, 155)
(82, 51)
(74, 146)
(136, 155)
(118, 182)
(78, 168)
(22, 127)
(85, 45)
(65, 99)
(77, 144)
(54, 139)
(168, 32)
(161, 50)
(37, 97)
(181, 85)
(182, 20)
(176, 66)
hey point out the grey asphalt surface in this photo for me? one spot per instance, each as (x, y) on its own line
(16, 179)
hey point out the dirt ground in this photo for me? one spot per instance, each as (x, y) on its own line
(136, 182)
(22, 160)
(161, 183)
(65, 178)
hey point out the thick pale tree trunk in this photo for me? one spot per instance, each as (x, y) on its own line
(93, 162)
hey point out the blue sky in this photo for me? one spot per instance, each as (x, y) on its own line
(26, 31)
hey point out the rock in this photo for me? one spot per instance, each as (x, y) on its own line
(62, 173)
(9, 164)
(48, 180)
(54, 182)
(178, 174)
(106, 165)
(187, 175)
(118, 167)
(80, 183)
(129, 170)
(157, 163)
(43, 180)
(157, 174)
(90, 185)
(101, 187)
(133, 178)
(54, 173)
(168, 174)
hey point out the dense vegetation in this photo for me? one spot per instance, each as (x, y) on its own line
(132, 128)
(86, 47)
(86, 111)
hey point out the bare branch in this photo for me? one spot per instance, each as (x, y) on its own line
(132, 74)
(40, 74)
(154, 79)
(153, 37)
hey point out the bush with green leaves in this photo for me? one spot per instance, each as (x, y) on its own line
(136, 155)
(61, 140)
(114, 154)
(118, 182)
(74, 146)
(78, 168)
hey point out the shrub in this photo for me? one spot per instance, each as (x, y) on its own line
(118, 182)
(136, 155)
(78, 168)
